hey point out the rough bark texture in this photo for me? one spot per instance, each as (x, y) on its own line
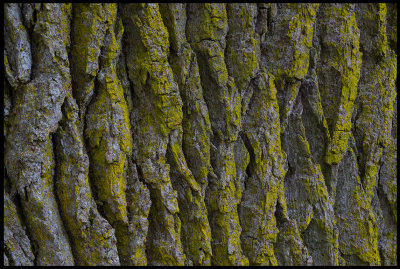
(200, 134)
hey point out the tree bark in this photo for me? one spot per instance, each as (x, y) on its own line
(200, 134)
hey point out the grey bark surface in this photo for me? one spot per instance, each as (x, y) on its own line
(200, 134)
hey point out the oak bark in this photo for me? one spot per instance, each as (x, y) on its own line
(200, 134)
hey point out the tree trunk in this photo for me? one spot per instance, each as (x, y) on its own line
(200, 134)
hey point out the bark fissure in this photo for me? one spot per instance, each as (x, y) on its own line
(55, 173)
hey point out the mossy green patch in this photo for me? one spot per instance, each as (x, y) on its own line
(341, 53)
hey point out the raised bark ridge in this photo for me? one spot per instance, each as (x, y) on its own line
(200, 134)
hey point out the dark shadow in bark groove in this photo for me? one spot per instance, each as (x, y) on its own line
(55, 149)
